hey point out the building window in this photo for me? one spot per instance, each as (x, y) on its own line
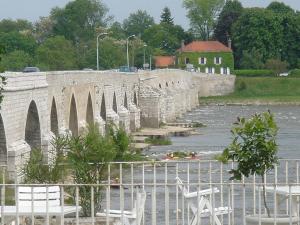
(225, 70)
(210, 70)
(218, 60)
(187, 60)
(202, 61)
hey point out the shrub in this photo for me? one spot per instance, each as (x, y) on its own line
(254, 73)
(276, 65)
(294, 73)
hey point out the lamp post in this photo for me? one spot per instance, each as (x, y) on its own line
(144, 55)
(127, 40)
(99, 35)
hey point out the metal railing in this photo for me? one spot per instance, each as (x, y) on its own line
(165, 202)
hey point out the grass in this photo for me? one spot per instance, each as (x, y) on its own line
(263, 90)
(158, 141)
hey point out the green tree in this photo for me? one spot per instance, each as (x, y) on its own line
(117, 32)
(43, 29)
(229, 14)
(203, 15)
(16, 60)
(88, 157)
(8, 25)
(2, 78)
(254, 148)
(79, 19)
(252, 59)
(56, 53)
(137, 23)
(166, 17)
(18, 41)
(280, 8)
(259, 29)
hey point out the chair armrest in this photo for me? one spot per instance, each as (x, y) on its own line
(201, 193)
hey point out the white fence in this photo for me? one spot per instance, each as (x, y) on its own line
(165, 203)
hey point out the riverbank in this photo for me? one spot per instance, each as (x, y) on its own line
(259, 91)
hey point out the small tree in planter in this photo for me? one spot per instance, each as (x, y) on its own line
(253, 147)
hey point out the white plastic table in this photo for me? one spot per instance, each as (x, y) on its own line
(284, 192)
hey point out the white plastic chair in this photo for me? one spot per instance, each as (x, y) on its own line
(203, 207)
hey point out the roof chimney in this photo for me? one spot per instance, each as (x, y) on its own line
(182, 45)
(229, 43)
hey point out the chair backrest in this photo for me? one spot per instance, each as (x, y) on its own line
(140, 204)
(181, 185)
(38, 196)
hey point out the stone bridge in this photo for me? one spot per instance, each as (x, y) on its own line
(37, 106)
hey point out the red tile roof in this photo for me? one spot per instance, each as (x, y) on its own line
(164, 61)
(205, 46)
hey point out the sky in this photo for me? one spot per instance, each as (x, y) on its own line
(120, 9)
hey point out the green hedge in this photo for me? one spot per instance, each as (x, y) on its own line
(254, 73)
(294, 73)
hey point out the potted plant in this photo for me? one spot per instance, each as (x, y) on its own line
(254, 149)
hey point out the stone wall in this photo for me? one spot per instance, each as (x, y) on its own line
(37, 106)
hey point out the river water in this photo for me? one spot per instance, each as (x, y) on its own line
(218, 120)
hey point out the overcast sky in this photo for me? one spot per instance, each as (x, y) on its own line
(120, 9)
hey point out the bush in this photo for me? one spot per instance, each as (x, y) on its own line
(294, 73)
(276, 65)
(255, 73)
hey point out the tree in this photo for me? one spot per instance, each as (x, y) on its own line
(56, 53)
(254, 148)
(117, 32)
(18, 41)
(43, 29)
(79, 19)
(280, 8)
(276, 65)
(251, 59)
(166, 17)
(259, 29)
(16, 60)
(228, 16)
(137, 23)
(88, 157)
(2, 78)
(8, 25)
(203, 15)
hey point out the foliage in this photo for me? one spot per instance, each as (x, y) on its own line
(8, 25)
(227, 60)
(79, 19)
(203, 15)
(16, 60)
(56, 53)
(43, 29)
(117, 32)
(158, 141)
(254, 147)
(37, 171)
(88, 157)
(252, 59)
(2, 78)
(276, 65)
(259, 29)
(228, 16)
(280, 8)
(166, 17)
(254, 73)
(294, 73)
(17, 41)
(137, 23)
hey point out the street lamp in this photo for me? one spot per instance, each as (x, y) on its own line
(144, 55)
(127, 40)
(99, 35)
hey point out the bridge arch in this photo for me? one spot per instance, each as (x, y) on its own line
(125, 101)
(103, 108)
(53, 118)
(3, 145)
(115, 107)
(73, 119)
(33, 128)
(89, 111)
